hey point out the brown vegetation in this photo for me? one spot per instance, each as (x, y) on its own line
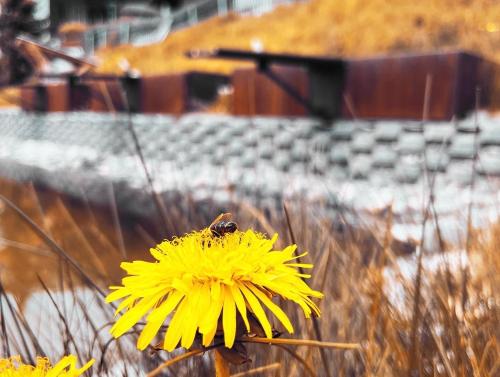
(452, 331)
(350, 28)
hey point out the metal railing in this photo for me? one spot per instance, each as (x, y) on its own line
(136, 32)
(141, 32)
(194, 13)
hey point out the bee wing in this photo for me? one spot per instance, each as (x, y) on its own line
(222, 217)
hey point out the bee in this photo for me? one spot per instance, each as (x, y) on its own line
(223, 225)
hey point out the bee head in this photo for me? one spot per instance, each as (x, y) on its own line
(231, 227)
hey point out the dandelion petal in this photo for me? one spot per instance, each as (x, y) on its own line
(258, 311)
(131, 317)
(229, 318)
(157, 318)
(174, 331)
(240, 304)
(280, 314)
(191, 319)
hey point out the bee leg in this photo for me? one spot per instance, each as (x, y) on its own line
(276, 333)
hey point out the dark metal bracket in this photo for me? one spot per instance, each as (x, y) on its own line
(263, 67)
(326, 76)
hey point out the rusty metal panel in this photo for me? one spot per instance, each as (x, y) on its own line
(96, 95)
(57, 97)
(105, 96)
(243, 81)
(28, 98)
(152, 94)
(165, 94)
(394, 86)
(256, 94)
(79, 97)
(476, 72)
(271, 99)
(51, 97)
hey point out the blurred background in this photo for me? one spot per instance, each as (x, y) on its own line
(366, 132)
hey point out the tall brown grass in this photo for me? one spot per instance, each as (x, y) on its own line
(446, 334)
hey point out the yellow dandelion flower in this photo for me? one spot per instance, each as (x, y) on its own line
(14, 367)
(200, 281)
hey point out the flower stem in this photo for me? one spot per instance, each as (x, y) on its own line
(221, 365)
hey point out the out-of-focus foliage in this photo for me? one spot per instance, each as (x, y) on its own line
(333, 27)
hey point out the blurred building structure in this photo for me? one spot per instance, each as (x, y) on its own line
(93, 23)
(89, 11)
(439, 86)
(138, 22)
(92, 11)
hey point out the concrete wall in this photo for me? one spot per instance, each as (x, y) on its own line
(264, 161)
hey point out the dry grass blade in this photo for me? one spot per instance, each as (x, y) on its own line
(490, 349)
(360, 304)
(442, 354)
(259, 216)
(303, 342)
(221, 365)
(251, 372)
(309, 370)
(63, 320)
(316, 327)
(5, 337)
(26, 247)
(184, 356)
(18, 321)
(52, 244)
(414, 352)
(475, 159)
(116, 221)
(82, 239)
(160, 205)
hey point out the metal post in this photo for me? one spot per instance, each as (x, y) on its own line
(124, 33)
(221, 7)
(88, 39)
(193, 15)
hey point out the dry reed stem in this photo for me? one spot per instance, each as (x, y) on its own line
(221, 365)
(82, 238)
(269, 229)
(168, 363)
(426, 209)
(52, 244)
(468, 241)
(468, 345)
(303, 342)
(315, 323)
(116, 221)
(296, 356)
(251, 372)
(221, 368)
(157, 200)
